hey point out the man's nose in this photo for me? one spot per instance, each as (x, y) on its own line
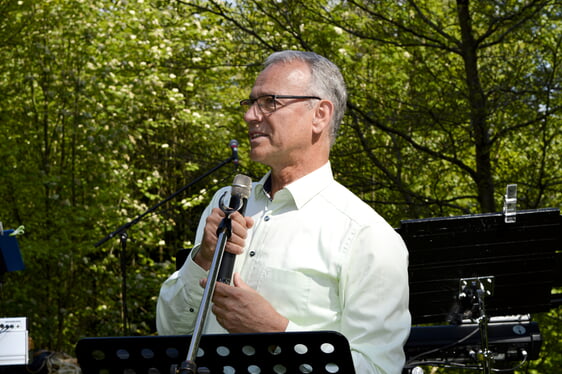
(253, 114)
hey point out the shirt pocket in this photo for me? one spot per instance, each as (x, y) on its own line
(287, 290)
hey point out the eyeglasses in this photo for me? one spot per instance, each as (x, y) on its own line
(268, 103)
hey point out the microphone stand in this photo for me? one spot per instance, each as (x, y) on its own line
(122, 231)
(224, 231)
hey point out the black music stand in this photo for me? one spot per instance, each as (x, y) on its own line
(521, 256)
(291, 352)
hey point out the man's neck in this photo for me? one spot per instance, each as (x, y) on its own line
(283, 177)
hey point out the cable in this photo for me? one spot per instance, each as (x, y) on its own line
(450, 345)
(453, 365)
(523, 362)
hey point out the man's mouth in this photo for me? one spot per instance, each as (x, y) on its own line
(256, 135)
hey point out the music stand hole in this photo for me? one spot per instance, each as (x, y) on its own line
(248, 350)
(200, 352)
(172, 353)
(327, 348)
(223, 351)
(279, 369)
(147, 353)
(253, 369)
(301, 349)
(274, 350)
(98, 355)
(123, 354)
(305, 368)
(332, 368)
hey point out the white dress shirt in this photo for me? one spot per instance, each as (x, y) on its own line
(324, 259)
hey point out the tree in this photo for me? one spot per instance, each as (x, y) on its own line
(96, 131)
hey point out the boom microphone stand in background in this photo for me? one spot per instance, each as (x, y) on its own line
(122, 230)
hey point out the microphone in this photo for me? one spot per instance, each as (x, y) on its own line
(239, 193)
(234, 146)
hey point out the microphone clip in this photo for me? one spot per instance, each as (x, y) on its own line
(227, 209)
(226, 224)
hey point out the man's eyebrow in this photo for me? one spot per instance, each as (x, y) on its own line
(253, 97)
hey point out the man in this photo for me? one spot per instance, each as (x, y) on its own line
(310, 254)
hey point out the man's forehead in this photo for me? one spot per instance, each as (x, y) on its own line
(295, 74)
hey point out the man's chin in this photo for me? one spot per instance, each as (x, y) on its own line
(255, 157)
(256, 154)
(259, 157)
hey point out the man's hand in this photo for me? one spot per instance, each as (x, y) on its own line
(235, 243)
(240, 309)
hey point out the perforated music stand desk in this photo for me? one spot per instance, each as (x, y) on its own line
(291, 352)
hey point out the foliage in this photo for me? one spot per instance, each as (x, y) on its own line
(107, 107)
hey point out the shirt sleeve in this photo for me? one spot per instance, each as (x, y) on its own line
(179, 299)
(374, 293)
(180, 295)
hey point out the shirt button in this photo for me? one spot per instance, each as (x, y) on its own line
(266, 218)
(252, 253)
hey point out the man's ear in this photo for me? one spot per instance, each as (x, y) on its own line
(322, 116)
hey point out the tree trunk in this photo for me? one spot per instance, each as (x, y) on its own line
(478, 110)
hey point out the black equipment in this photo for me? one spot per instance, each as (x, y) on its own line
(468, 271)
(509, 342)
(522, 256)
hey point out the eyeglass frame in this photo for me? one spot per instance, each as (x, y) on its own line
(250, 101)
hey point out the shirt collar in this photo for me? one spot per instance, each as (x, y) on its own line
(303, 189)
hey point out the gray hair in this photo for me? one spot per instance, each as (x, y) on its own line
(326, 82)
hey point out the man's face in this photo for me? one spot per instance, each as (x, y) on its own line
(281, 138)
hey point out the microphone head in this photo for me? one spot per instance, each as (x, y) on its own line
(234, 146)
(241, 186)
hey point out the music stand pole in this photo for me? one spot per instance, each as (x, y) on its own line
(224, 231)
(476, 289)
(483, 325)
